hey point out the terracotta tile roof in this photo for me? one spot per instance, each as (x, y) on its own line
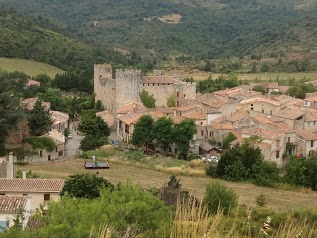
(184, 109)
(216, 102)
(177, 119)
(261, 100)
(262, 119)
(281, 127)
(12, 204)
(196, 116)
(221, 126)
(32, 82)
(270, 85)
(56, 136)
(58, 117)
(31, 185)
(157, 79)
(235, 116)
(311, 99)
(132, 107)
(283, 89)
(262, 133)
(156, 115)
(34, 222)
(310, 116)
(307, 134)
(166, 110)
(29, 103)
(130, 118)
(232, 91)
(288, 113)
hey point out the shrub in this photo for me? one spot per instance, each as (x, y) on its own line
(268, 174)
(135, 155)
(41, 143)
(261, 200)
(219, 198)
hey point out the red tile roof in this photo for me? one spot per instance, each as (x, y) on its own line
(12, 204)
(31, 185)
(307, 134)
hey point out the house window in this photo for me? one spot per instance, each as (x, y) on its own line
(311, 153)
(148, 84)
(251, 108)
(25, 194)
(170, 149)
(202, 133)
(262, 110)
(56, 149)
(2, 194)
(153, 84)
(47, 197)
(184, 95)
(175, 151)
(289, 139)
(41, 153)
(177, 103)
(311, 143)
(277, 154)
(177, 94)
(201, 123)
(314, 122)
(143, 84)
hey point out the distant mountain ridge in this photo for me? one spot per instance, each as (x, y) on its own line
(206, 28)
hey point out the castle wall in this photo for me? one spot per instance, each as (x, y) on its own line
(127, 87)
(160, 91)
(104, 86)
(186, 90)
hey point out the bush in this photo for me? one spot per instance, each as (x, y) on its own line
(211, 170)
(219, 198)
(261, 200)
(41, 143)
(135, 155)
(268, 175)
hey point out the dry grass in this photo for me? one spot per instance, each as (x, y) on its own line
(277, 199)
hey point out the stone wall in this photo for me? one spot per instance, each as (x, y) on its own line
(104, 85)
(160, 91)
(127, 87)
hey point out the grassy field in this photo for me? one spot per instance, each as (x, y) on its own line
(29, 67)
(120, 172)
(200, 75)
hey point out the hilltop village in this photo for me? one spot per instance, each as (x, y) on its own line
(283, 125)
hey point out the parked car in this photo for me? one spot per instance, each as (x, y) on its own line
(213, 159)
(70, 136)
(115, 143)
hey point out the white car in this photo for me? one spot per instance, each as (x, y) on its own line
(213, 159)
(70, 136)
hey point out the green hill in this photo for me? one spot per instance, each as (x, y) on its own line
(29, 67)
(207, 28)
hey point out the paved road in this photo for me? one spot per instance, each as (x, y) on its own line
(72, 145)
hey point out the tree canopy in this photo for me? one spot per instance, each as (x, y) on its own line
(142, 134)
(147, 99)
(39, 119)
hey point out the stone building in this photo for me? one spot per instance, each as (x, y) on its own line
(125, 87)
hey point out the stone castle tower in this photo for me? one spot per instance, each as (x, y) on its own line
(116, 92)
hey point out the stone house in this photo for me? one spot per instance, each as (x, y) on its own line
(32, 83)
(260, 105)
(60, 121)
(311, 102)
(306, 142)
(44, 155)
(271, 87)
(11, 207)
(38, 190)
(126, 125)
(29, 104)
(292, 117)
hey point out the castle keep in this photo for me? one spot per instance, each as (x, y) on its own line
(127, 84)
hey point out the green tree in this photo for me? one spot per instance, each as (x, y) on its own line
(241, 162)
(265, 67)
(142, 134)
(98, 106)
(219, 198)
(162, 131)
(299, 89)
(85, 186)
(171, 101)
(39, 119)
(259, 88)
(183, 134)
(170, 192)
(227, 140)
(253, 68)
(147, 99)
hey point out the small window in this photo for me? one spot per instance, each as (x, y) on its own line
(314, 122)
(202, 133)
(177, 94)
(251, 105)
(277, 154)
(262, 110)
(148, 84)
(2, 194)
(271, 112)
(311, 143)
(153, 84)
(201, 123)
(41, 153)
(170, 149)
(47, 197)
(175, 151)
(251, 108)
(25, 194)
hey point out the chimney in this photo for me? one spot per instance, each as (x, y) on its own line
(10, 166)
(24, 174)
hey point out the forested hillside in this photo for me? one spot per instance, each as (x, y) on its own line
(207, 28)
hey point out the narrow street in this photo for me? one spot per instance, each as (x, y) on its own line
(72, 145)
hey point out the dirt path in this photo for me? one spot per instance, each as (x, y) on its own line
(277, 199)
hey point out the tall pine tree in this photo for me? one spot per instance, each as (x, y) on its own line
(39, 119)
